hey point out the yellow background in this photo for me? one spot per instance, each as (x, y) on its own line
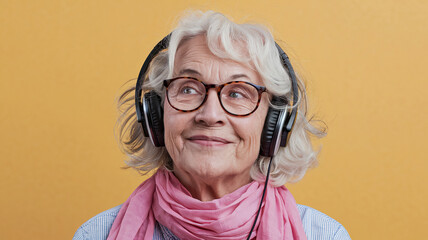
(62, 63)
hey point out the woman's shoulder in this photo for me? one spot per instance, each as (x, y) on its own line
(97, 227)
(318, 225)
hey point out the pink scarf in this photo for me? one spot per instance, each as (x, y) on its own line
(162, 198)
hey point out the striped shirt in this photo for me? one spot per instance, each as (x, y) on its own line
(317, 226)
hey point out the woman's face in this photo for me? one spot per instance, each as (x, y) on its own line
(209, 144)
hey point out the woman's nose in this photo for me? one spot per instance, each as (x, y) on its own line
(211, 113)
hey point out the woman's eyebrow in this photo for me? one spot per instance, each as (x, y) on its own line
(192, 72)
(236, 76)
(189, 71)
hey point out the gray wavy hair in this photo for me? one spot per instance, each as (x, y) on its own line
(225, 39)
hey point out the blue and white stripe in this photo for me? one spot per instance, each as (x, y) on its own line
(317, 226)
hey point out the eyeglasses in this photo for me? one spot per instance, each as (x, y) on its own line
(238, 98)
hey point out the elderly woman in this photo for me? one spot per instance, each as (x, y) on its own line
(220, 118)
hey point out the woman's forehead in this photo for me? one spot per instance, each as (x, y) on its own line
(194, 58)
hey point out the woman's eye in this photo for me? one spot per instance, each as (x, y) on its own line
(188, 90)
(235, 95)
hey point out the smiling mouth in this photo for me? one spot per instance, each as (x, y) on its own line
(208, 140)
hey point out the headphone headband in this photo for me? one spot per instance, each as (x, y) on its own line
(162, 44)
(295, 88)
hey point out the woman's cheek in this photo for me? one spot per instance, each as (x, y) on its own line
(249, 145)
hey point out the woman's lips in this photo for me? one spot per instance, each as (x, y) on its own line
(208, 140)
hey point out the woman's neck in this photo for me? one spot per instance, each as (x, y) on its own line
(209, 188)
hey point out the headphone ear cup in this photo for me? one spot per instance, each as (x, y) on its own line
(153, 114)
(266, 146)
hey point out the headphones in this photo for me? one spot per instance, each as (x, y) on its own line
(276, 129)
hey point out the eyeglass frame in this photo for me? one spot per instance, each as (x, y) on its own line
(218, 88)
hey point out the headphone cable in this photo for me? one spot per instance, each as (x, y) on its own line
(261, 201)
